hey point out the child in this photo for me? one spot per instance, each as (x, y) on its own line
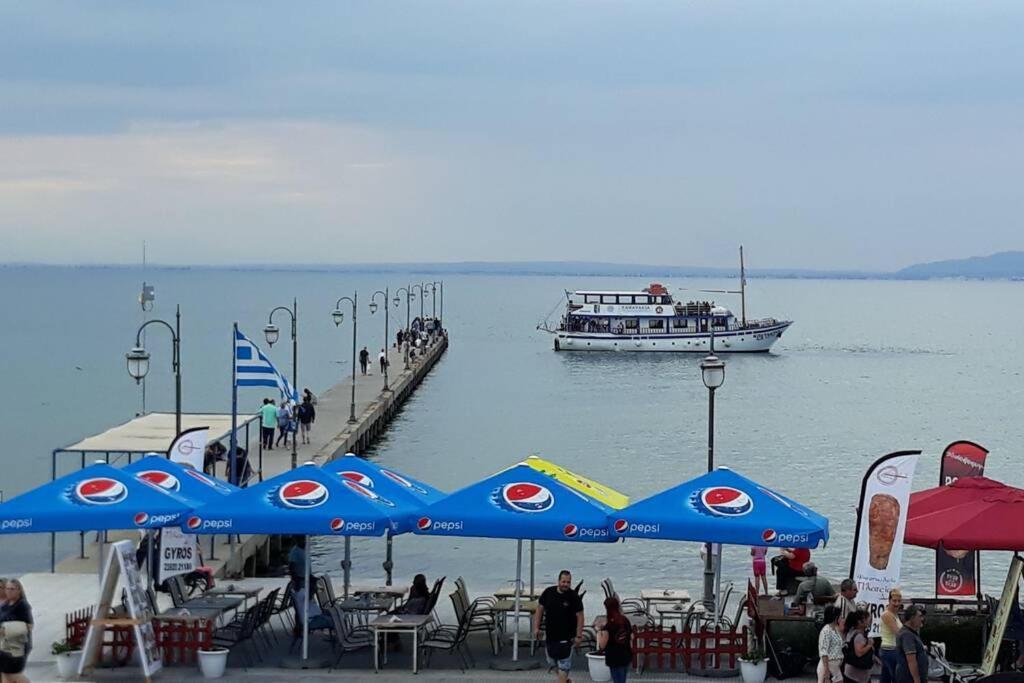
(760, 567)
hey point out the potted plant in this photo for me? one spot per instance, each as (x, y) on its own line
(68, 658)
(212, 661)
(754, 665)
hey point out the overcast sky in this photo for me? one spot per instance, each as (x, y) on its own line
(818, 134)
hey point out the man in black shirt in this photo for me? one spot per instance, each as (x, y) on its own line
(563, 610)
(912, 666)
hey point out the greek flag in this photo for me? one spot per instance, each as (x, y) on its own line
(253, 369)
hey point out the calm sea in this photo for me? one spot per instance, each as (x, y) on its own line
(869, 367)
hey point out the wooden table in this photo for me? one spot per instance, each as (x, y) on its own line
(670, 595)
(398, 623)
(510, 592)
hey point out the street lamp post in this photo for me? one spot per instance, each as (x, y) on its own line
(387, 338)
(272, 334)
(423, 295)
(138, 360)
(408, 298)
(712, 371)
(339, 317)
(433, 300)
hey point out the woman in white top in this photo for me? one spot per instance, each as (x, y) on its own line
(830, 648)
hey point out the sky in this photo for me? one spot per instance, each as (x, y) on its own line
(830, 135)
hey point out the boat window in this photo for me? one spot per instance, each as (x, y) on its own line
(587, 299)
(718, 322)
(632, 323)
(679, 324)
(656, 324)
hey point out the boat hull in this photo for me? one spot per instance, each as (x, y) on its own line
(755, 340)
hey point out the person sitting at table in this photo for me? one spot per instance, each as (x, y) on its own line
(789, 565)
(419, 597)
(818, 587)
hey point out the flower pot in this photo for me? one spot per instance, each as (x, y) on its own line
(599, 671)
(67, 664)
(754, 672)
(213, 662)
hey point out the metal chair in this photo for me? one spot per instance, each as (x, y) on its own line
(476, 621)
(451, 641)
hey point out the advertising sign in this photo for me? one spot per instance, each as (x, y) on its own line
(189, 447)
(881, 522)
(178, 553)
(956, 571)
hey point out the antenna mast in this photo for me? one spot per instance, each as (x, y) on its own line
(743, 290)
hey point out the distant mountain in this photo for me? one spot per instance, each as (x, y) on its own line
(1004, 265)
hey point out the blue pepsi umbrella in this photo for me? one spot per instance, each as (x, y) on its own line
(409, 496)
(185, 482)
(305, 501)
(95, 498)
(723, 507)
(521, 503)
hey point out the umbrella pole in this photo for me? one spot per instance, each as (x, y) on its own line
(718, 583)
(347, 564)
(305, 608)
(533, 565)
(99, 541)
(149, 559)
(519, 591)
(388, 564)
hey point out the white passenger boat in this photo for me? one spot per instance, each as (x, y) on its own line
(651, 320)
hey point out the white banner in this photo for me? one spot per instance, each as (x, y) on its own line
(189, 447)
(178, 553)
(882, 519)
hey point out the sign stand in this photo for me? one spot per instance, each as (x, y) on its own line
(995, 638)
(121, 565)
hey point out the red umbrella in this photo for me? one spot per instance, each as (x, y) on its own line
(972, 513)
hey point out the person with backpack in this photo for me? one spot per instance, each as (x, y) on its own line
(858, 649)
(307, 415)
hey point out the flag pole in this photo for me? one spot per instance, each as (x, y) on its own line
(233, 439)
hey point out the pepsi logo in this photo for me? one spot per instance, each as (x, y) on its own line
(527, 497)
(769, 535)
(424, 523)
(164, 480)
(303, 494)
(194, 523)
(337, 524)
(101, 491)
(621, 526)
(570, 530)
(367, 493)
(402, 481)
(141, 518)
(357, 477)
(724, 501)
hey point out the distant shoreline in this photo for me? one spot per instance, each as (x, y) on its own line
(540, 269)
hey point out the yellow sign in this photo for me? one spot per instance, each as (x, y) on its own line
(588, 487)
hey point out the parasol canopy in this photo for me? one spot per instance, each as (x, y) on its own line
(972, 513)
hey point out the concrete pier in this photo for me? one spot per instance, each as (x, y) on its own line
(332, 436)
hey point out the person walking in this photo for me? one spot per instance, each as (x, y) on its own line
(309, 395)
(760, 567)
(615, 639)
(284, 419)
(307, 416)
(268, 423)
(888, 628)
(382, 358)
(364, 359)
(15, 633)
(563, 610)
(912, 659)
(859, 658)
(830, 648)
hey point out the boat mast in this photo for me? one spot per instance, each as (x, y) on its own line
(743, 290)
